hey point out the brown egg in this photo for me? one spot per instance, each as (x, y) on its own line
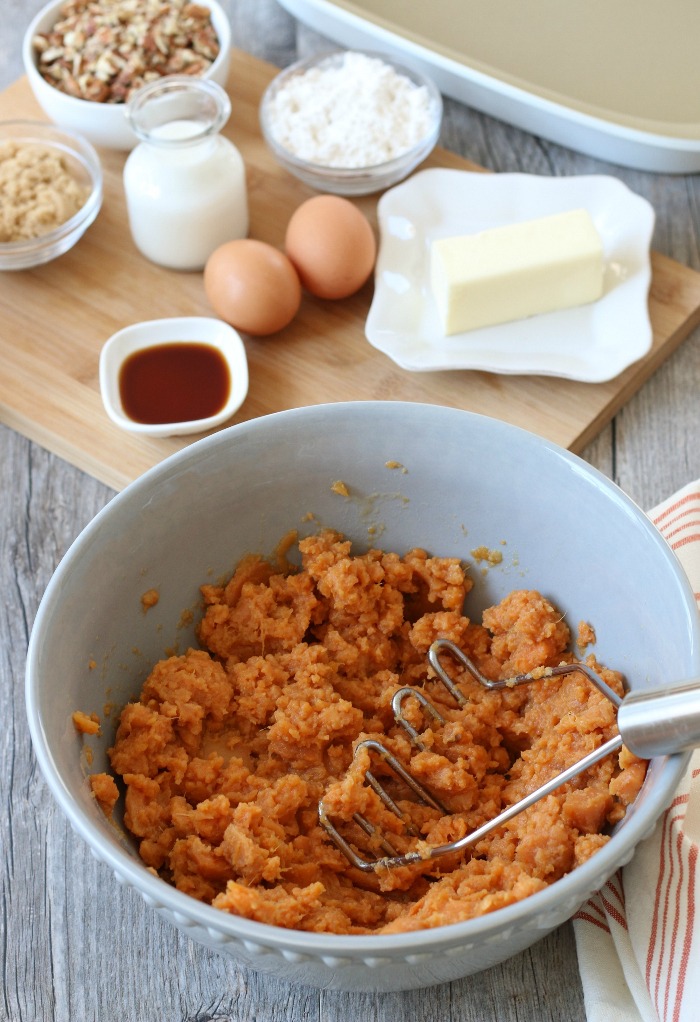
(332, 245)
(253, 286)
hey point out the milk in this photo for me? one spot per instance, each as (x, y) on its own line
(186, 194)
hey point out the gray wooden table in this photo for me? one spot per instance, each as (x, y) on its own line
(75, 945)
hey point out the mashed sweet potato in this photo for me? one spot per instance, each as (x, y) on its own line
(230, 748)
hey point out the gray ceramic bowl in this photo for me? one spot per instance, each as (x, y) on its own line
(469, 481)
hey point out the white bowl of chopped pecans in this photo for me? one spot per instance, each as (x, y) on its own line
(84, 61)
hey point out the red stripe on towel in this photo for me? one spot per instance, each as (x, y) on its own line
(658, 897)
(671, 896)
(616, 887)
(591, 919)
(688, 939)
(674, 507)
(677, 846)
(614, 913)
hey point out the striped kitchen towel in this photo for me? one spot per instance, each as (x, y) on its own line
(638, 939)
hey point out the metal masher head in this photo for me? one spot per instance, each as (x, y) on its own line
(425, 852)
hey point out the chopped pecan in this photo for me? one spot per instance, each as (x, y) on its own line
(103, 50)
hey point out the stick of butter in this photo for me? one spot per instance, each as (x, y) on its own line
(515, 271)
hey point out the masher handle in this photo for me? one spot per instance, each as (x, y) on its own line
(661, 722)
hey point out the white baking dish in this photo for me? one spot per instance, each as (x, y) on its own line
(619, 82)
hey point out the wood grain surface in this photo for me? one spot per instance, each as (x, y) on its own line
(66, 310)
(76, 946)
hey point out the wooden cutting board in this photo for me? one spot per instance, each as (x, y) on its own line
(56, 318)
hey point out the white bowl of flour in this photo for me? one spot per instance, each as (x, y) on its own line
(350, 122)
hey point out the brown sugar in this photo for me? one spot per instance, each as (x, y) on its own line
(230, 747)
(38, 192)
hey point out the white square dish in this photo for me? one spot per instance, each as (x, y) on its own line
(591, 343)
(170, 332)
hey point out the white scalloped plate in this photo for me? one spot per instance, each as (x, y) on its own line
(591, 343)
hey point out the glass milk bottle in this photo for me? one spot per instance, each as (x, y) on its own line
(184, 182)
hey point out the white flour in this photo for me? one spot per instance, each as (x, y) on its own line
(353, 113)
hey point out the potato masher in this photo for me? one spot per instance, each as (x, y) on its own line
(650, 723)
